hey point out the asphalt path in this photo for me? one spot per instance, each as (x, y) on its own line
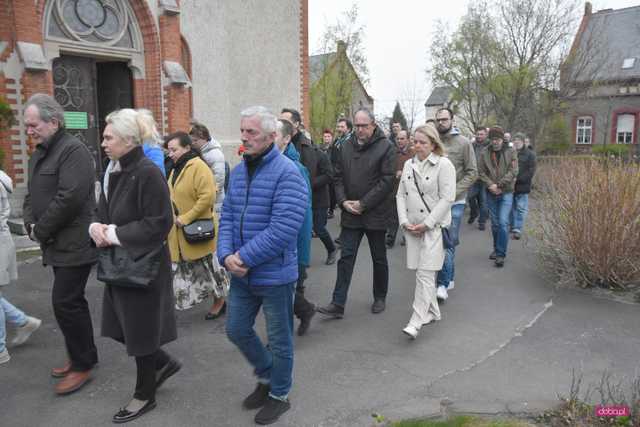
(508, 341)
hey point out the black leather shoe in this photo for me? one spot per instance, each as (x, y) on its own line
(172, 367)
(214, 316)
(258, 398)
(472, 219)
(332, 310)
(331, 257)
(305, 321)
(378, 306)
(124, 416)
(271, 411)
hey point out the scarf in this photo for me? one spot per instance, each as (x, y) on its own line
(182, 161)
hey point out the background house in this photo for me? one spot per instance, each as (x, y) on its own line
(336, 90)
(440, 97)
(602, 74)
(179, 59)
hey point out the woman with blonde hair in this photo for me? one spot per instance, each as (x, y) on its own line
(425, 195)
(133, 220)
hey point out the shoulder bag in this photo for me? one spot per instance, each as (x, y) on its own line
(447, 241)
(200, 230)
(118, 268)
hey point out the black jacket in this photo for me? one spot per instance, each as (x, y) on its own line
(526, 170)
(366, 173)
(138, 204)
(319, 167)
(60, 200)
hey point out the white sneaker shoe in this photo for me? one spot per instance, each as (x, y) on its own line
(441, 293)
(24, 332)
(452, 285)
(411, 332)
(4, 357)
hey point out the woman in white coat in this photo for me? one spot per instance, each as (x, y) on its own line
(425, 195)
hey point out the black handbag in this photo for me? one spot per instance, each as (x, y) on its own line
(200, 230)
(117, 267)
(447, 241)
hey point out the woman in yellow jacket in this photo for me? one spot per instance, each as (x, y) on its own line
(193, 189)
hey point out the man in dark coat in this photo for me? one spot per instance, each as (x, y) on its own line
(321, 174)
(364, 182)
(526, 171)
(57, 211)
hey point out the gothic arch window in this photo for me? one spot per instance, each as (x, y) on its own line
(98, 23)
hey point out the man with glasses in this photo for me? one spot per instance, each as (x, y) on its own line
(365, 170)
(460, 152)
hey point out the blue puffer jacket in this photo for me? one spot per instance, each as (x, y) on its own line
(261, 218)
(304, 235)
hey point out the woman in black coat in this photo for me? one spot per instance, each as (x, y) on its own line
(134, 212)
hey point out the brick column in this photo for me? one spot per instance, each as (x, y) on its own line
(177, 95)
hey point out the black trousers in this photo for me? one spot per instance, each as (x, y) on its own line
(351, 238)
(147, 368)
(392, 227)
(72, 314)
(320, 227)
(301, 305)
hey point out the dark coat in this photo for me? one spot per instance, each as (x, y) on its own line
(139, 205)
(319, 167)
(366, 173)
(60, 200)
(526, 170)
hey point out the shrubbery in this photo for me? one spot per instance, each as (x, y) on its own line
(587, 220)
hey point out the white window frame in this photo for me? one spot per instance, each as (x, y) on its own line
(625, 136)
(584, 132)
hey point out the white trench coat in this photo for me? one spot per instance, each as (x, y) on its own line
(437, 181)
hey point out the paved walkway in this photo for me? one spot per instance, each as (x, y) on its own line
(507, 341)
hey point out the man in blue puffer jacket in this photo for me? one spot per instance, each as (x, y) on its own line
(257, 241)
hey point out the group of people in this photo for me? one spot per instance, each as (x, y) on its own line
(192, 228)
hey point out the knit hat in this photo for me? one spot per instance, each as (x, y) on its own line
(496, 132)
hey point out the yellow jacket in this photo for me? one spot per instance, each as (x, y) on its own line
(194, 195)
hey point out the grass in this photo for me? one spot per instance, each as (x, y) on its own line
(463, 421)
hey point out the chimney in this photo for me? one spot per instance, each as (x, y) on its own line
(342, 47)
(588, 8)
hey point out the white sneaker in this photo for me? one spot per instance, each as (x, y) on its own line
(4, 357)
(24, 332)
(411, 331)
(441, 293)
(452, 285)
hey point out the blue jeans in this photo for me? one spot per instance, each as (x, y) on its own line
(351, 238)
(448, 271)
(519, 211)
(499, 209)
(477, 199)
(272, 363)
(9, 313)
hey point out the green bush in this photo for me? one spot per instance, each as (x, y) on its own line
(611, 150)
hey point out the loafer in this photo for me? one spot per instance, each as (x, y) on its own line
(214, 316)
(271, 411)
(305, 321)
(124, 416)
(73, 381)
(171, 368)
(258, 398)
(61, 372)
(378, 306)
(411, 332)
(332, 310)
(24, 332)
(331, 257)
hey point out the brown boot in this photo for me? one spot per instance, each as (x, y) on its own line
(61, 372)
(73, 381)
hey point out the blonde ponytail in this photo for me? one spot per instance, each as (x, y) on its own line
(134, 126)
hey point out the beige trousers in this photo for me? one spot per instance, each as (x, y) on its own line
(425, 302)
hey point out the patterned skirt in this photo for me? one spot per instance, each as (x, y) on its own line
(194, 281)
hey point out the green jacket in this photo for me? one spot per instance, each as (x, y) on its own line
(460, 152)
(505, 173)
